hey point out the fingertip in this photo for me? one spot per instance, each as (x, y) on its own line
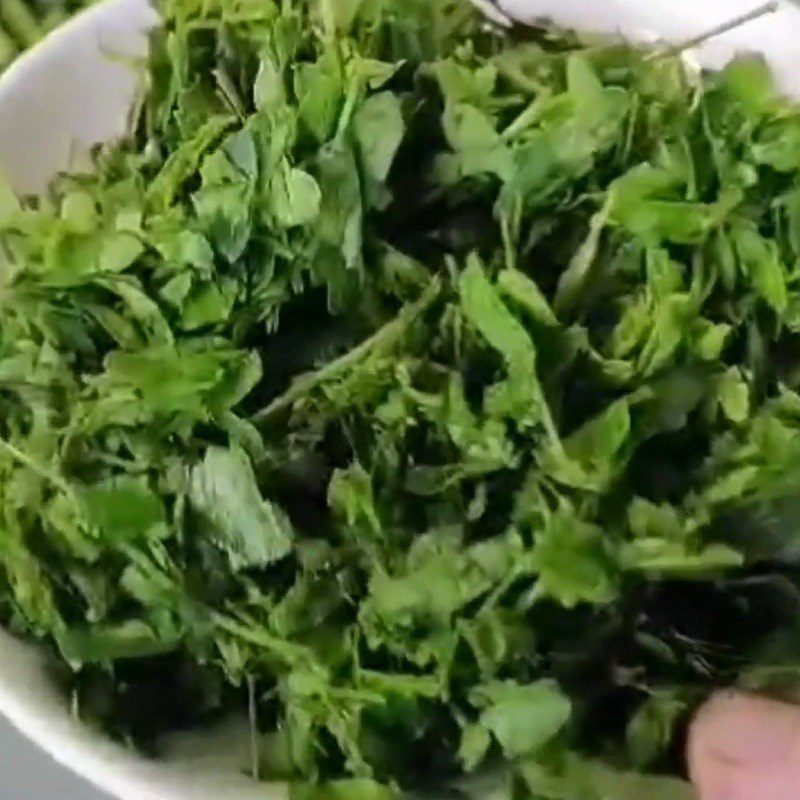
(708, 774)
(744, 746)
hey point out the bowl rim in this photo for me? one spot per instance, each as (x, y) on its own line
(77, 754)
(33, 705)
(63, 31)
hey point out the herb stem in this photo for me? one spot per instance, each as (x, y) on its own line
(252, 709)
(20, 22)
(280, 648)
(8, 48)
(32, 465)
(383, 338)
(764, 10)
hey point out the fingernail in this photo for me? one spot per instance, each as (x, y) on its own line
(747, 730)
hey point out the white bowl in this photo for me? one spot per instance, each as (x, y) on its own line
(67, 94)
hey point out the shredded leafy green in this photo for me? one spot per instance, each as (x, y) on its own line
(431, 390)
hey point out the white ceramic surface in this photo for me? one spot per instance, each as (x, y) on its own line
(67, 94)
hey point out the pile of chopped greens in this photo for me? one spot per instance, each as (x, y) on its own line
(429, 390)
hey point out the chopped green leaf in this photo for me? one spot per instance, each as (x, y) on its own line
(251, 530)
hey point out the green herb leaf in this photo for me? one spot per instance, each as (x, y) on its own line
(252, 531)
(522, 718)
